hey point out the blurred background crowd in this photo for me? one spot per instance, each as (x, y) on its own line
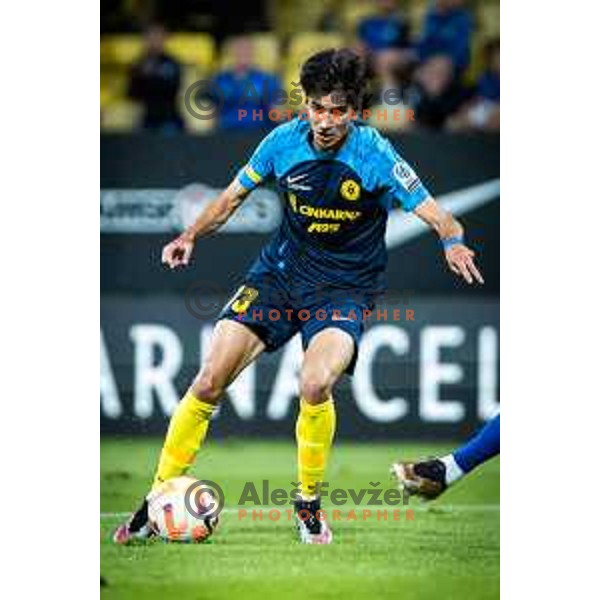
(441, 59)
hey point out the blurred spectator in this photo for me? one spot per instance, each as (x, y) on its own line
(488, 86)
(154, 82)
(447, 30)
(247, 88)
(483, 112)
(385, 37)
(331, 19)
(390, 63)
(436, 92)
(395, 76)
(388, 29)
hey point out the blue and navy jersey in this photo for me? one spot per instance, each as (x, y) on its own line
(336, 204)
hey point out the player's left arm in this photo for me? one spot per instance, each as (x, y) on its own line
(459, 256)
(401, 184)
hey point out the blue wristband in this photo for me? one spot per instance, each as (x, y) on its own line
(452, 241)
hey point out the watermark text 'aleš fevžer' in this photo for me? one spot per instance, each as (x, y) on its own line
(260, 501)
(204, 100)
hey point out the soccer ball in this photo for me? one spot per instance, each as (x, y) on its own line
(183, 509)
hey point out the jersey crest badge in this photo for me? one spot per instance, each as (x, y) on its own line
(350, 190)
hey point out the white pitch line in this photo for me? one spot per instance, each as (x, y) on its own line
(441, 508)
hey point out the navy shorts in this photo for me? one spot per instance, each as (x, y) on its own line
(275, 310)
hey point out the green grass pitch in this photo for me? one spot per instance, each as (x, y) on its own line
(450, 550)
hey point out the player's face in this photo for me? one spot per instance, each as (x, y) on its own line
(329, 119)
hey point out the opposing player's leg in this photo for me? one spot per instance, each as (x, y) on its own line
(429, 478)
(233, 347)
(328, 355)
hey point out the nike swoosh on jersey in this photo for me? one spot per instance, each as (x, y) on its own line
(293, 182)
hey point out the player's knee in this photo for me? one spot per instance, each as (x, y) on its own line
(208, 385)
(315, 387)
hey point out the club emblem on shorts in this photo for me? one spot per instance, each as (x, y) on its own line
(350, 190)
(243, 298)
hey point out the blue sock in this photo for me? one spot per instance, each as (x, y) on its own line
(485, 445)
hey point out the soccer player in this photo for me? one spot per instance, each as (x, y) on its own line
(320, 273)
(429, 478)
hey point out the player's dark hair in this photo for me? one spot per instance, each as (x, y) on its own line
(342, 71)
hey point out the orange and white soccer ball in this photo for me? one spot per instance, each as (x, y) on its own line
(183, 509)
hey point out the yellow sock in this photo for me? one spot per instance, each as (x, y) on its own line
(185, 435)
(315, 428)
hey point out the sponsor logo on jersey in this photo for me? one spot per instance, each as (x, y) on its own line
(337, 214)
(322, 212)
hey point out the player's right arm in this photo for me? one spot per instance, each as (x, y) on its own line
(216, 214)
(260, 167)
